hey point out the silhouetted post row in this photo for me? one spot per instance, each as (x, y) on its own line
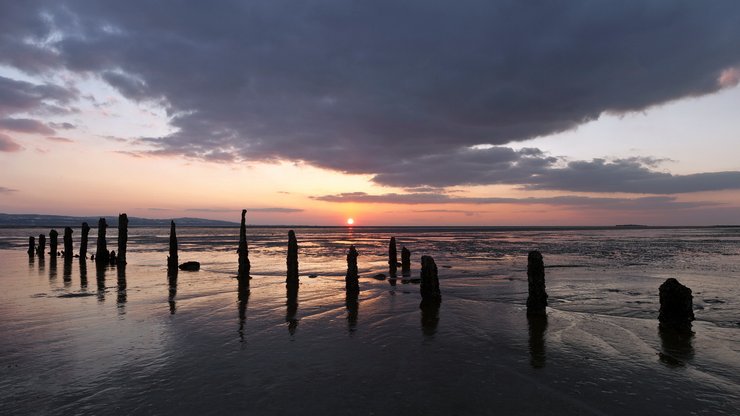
(537, 300)
(68, 243)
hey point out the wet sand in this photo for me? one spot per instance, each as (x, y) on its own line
(88, 342)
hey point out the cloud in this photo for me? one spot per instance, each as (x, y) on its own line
(8, 145)
(21, 96)
(643, 203)
(362, 87)
(629, 175)
(62, 126)
(269, 209)
(4, 190)
(59, 139)
(25, 125)
(276, 210)
(531, 169)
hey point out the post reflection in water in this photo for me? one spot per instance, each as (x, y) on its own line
(429, 317)
(31, 260)
(83, 274)
(52, 268)
(677, 347)
(122, 295)
(537, 326)
(243, 297)
(352, 302)
(100, 279)
(42, 264)
(292, 308)
(172, 287)
(67, 272)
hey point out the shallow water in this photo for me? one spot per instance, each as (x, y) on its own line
(76, 340)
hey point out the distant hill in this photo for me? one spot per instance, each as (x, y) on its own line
(37, 220)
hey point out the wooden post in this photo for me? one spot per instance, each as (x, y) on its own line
(83, 241)
(405, 262)
(244, 265)
(31, 245)
(676, 306)
(68, 243)
(172, 260)
(40, 250)
(537, 300)
(351, 280)
(53, 243)
(122, 238)
(292, 261)
(102, 257)
(392, 258)
(430, 294)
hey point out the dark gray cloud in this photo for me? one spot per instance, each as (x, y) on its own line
(583, 202)
(8, 145)
(362, 87)
(25, 125)
(21, 96)
(629, 175)
(533, 170)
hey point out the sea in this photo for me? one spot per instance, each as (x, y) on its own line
(76, 339)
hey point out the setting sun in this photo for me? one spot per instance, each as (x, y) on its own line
(350, 221)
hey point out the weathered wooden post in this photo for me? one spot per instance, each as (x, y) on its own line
(53, 243)
(351, 280)
(405, 262)
(292, 261)
(83, 241)
(676, 306)
(392, 258)
(172, 259)
(122, 238)
(40, 250)
(102, 257)
(430, 294)
(537, 300)
(68, 243)
(244, 265)
(31, 245)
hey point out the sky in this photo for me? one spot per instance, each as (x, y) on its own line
(392, 113)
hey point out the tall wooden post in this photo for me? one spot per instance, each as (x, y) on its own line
(122, 238)
(292, 261)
